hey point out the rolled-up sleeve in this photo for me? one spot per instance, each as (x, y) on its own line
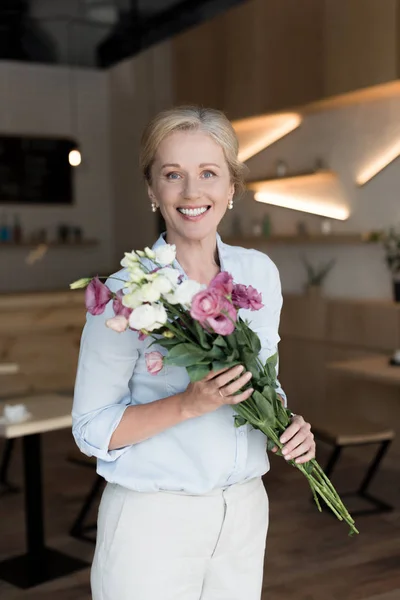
(102, 392)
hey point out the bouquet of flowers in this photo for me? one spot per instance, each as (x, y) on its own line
(201, 330)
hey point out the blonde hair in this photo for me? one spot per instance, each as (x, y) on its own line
(192, 118)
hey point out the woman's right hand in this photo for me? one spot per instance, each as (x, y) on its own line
(215, 390)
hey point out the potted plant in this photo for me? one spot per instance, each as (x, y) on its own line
(316, 275)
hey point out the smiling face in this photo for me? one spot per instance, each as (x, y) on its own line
(191, 183)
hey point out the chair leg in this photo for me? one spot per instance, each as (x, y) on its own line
(366, 482)
(382, 450)
(5, 485)
(333, 459)
(79, 529)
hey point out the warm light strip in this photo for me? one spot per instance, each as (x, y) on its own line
(333, 211)
(382, 161)
(257, 133)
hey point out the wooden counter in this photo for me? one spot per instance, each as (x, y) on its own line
(316, 331)
(40, 332)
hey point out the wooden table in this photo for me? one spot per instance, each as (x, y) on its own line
(50, 412)
(372, 368)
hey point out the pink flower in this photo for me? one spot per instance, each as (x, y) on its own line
(97, 296)
(224, 323)
(223, 283)
(118, 323)
(205, 304)
(154, 362)
(119, 308)
(246, 297)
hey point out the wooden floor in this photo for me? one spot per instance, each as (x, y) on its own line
(309, 555)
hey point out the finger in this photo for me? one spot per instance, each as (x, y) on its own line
(215, 374)
(298, 439)
(235, 386)
(274, 449)
(227, 375)
(290, 432)
(306, 457)
(240, 397)
(298, 451)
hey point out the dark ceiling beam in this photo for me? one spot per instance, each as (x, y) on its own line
(133, 33)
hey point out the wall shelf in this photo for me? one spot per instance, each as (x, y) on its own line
(303, 177)
(319, 239)
(13, 245)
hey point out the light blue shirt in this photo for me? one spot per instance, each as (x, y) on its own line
(199, 454)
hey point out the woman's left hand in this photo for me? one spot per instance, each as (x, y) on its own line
(298, 440)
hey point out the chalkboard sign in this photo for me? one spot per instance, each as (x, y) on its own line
(35, 170)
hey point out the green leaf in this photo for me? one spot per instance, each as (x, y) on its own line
(265, 408)
(185, 355)
(273, 360)
(166, 342)
(270, 444)
(216, 353)
(240, 421)
(197, 372)
(254, 341)
(201, 335)
(220, 341)
(218, 365)
(233, 356)
(232, 340)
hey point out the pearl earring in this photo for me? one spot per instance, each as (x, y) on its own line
(154, 207)
(230, 204)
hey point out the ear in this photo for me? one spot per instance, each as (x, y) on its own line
(231, 191)
(150, 194)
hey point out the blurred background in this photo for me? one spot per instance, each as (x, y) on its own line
(312, 89)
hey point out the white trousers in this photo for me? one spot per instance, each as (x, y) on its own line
(171, 546)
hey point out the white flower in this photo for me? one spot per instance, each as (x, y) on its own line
(130, 260)
(151, 276)
(165, 255)
(184, 293)
(172, 274)
(162, 284)
(133, 299)
(149, 252)
(130, 288)
(140, 253)
(140, 295)
(136, 274)
(148, 316)
(149, 292)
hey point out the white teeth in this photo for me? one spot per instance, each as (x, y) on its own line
(193, 212)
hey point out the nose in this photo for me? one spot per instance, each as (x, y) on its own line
(191, 189)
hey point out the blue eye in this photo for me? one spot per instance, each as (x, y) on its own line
(172, 175)
(208, 174)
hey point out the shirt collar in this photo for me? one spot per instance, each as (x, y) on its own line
(221, 247)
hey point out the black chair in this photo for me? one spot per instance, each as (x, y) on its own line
(356, 431)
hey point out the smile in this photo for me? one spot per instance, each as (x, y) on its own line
(193, 212)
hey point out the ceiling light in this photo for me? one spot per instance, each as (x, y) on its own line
(74, 158)
(318, 193)
(378, 163)
(256, 133)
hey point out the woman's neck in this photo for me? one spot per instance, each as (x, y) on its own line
(198, 258)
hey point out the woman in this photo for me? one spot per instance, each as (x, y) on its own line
(184, 515)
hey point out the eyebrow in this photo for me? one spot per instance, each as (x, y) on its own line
(202, 165)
